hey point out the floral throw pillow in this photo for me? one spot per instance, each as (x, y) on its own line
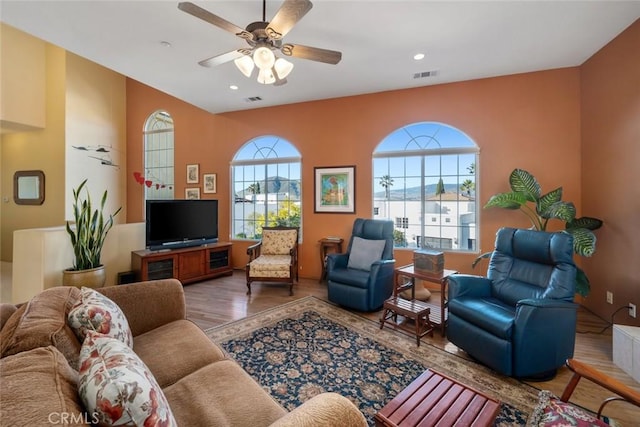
(552, 412)
(117, 388)
(96, 312)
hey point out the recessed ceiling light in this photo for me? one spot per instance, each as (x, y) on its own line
(418, 56)
(233, 87)
(165, 43)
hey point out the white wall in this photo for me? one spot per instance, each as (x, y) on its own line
(40, 255)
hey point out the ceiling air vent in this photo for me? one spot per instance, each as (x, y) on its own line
(253, 99)
(424, 74)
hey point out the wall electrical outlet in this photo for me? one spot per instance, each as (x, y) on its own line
(632, 310)
(609, 297)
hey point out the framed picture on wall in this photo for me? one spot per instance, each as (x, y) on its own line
(192, 174)
(335, 190)
(209, 182)
(192, 193)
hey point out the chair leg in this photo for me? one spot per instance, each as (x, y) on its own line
(383, 319)
(248, 288)
(291, 289)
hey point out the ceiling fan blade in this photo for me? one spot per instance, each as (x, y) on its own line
(220, 59)
(312, 53)
(209, 17)
(286, 17)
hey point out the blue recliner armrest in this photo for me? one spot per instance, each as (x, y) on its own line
(468, 285)
(543, 335)
(381, 270)
(337, 261)
(381, 280)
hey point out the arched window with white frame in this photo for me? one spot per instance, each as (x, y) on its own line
(424, 180)
(158, 176)
(267, 185)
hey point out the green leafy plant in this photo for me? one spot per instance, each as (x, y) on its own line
(526, 196)
(91, 229)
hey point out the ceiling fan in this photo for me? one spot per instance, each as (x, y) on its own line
(264, 38)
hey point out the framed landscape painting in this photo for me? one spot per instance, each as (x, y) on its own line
(335, 190)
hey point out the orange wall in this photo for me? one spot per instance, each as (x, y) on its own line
(529, 121)
(610, 88)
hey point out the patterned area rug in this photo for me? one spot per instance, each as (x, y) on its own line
(308, 346)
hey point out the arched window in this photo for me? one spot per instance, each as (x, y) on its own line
(158, 176)
(266, 176)
(424, 179)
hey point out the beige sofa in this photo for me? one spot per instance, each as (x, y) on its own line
(202, 385)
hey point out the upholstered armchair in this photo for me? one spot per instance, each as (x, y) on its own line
(274, 258)
(520, 320)
(553, 411)
(362, 278)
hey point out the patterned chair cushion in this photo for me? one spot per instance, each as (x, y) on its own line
(270, 266)
(553, 412)
(96, 312)
(278, 242)
(117, 387)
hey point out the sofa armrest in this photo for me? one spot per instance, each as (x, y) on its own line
(148, 305)
(468, 285)
(324, 410)
(6, 310)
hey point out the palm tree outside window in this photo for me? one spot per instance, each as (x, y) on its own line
(424, 179)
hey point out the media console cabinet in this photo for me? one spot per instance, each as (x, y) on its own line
(185, 264)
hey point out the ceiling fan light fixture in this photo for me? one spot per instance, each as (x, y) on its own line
(266, 77)
(244, 64)
(282, 67)
(264, 58)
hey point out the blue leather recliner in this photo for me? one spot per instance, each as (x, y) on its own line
(520, 320)
(363, 287)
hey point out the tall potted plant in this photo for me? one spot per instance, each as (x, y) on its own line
(525, 192)
(87, 239)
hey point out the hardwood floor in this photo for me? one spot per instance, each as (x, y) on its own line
(214, 302)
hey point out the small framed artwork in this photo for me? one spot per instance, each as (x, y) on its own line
(335, 190)
(192, 174)
(192, 193)
(210, 182)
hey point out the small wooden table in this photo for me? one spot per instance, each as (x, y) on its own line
(413, 309)
(327, 244)
(438, 308)
(434, 398)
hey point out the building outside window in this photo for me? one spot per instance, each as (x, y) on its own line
(426, 173)
(158, 176)
(402, 222)
(266, 179)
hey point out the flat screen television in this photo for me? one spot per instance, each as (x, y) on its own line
(175, 224)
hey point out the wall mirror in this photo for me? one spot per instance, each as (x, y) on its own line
(28, 187)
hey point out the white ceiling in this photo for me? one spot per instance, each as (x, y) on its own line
(461, 40)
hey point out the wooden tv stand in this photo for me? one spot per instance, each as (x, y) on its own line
(185, 264)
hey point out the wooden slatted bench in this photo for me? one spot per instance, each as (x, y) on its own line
(435, 399)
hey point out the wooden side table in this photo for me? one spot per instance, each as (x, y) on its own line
(435, 399)
(438, 308)
(328, 244)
